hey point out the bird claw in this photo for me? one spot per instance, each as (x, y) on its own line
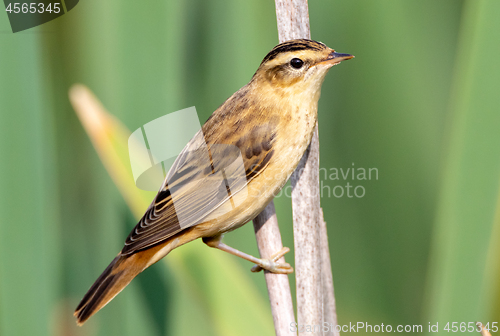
(272, 265)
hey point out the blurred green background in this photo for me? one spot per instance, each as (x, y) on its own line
(420, 103)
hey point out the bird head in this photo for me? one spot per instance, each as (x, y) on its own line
(298, 66)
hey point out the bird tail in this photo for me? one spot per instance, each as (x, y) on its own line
(111, 282)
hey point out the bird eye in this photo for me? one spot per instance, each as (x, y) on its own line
(297, 63)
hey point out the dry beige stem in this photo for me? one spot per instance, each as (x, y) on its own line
(269, 241)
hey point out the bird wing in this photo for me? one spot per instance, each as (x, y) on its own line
(217, 164)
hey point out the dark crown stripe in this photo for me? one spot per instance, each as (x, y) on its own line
(293, 45)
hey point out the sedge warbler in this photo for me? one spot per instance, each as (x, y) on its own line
(228, 173)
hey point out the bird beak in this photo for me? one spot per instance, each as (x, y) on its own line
(335, 58)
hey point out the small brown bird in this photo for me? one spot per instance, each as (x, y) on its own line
(228, 173)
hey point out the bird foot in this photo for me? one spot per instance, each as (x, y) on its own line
(272, 265)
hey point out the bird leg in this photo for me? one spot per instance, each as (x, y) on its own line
(270, 265)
